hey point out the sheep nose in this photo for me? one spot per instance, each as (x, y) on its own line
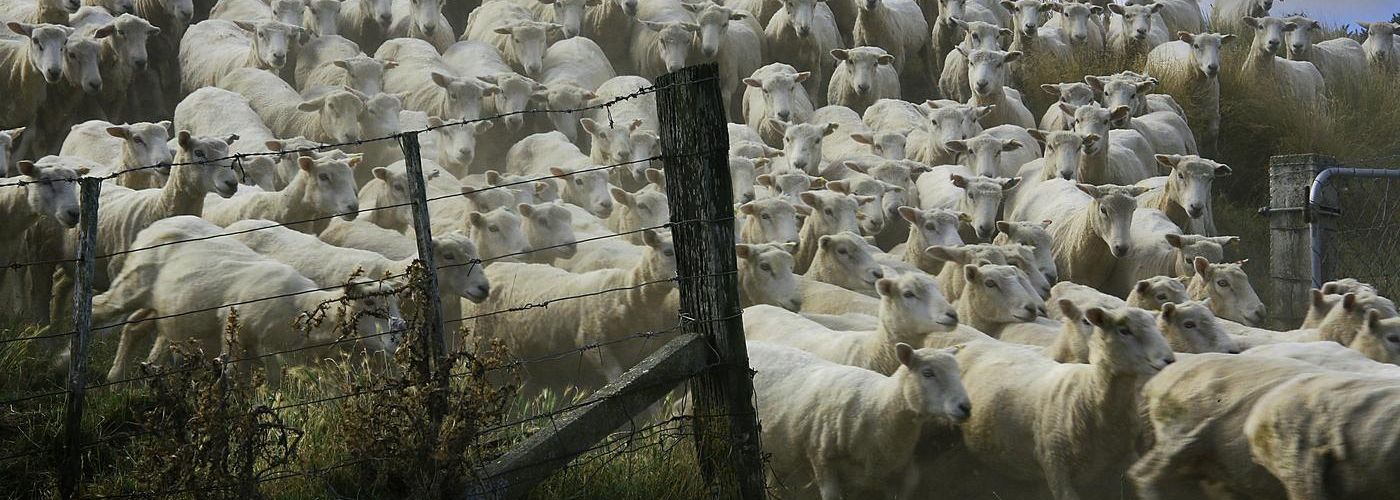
(795, 305)
(1213, 69)
(1120, 250)
(965, 408)
(484, 290)
(140, 63)
(385, 19)
(1079, 37)
(984, 230)
(982, 86)
(53, 75)
(624, 156)
(804, 31)
(783, 115)
(429, 29)
(878, 274)
(71, 214)
(863, 88)
(1040, 311)
(952, 316)
(1196, 210)
(1169, 360)
(1297, 47)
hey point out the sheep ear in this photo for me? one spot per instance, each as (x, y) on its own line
(20, 28)
(1050, 88)
(1319, 297)
(940, 253)
(863, 138)
(1251, 22)
(1004, 226)
(1119, 113)
(1066, 108)
(1174, 240)
(839, 187)
(741, 250)
(1096, 316)
(1013, 56)
(971, 273)
(802, 210)
(1037, 134)
(1009, 184)
(119, 131)
(802, 77)
(183, 139)
(840, 54)
(959, 181)
(558, 171)
(1349, 301)
(747, 208)
(1167, 310)
(830, 128)
(885, 287)
(476, 219)
(905, 353)
(1069, 310)
(753, 82)
(1089, 189)
(234, 138)
(1223, 170)
(1095, 82)
(622, 197)
(765, 180)
(885, 59)
(493, 177)
(655, 176)
(1011, 145)
(589, 125)
(1201, 264)
(1143, 286)
(854, 165)
(1115, 8)
(26, 167)
(823, 241)
(1185, 36)
(381, 173)
(312, 105)
(910, 214)
(1225, 240)
(1373, 321)
(246, 26)
(306, 163)
(957, 146)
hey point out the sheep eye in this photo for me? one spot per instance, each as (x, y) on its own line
(199, 154)
(449, 257)
(1161, 298)
(643, 207)
(1125, 332)
(72, 56)
(1394, 339)
(139, 141)
(827, 211)
(324, 177)
(841, 251)
(931, 227)
(1189, 324)
(765, 267)
(578, 182)
(908, 295)
(991, 284)
(1223, 283)
(542, 221)
(668, 252)
(494, 229)
(1103, 210)
(928, 374)
(765, 217)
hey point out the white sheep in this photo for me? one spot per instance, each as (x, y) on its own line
(601, 24)
(845, 431)
(324, 187)
(1228, 289)
(1136, 29)
(514, 31)
(64, 102)
(421, 19)
(123, 54)
(911, 307)
(1071, 426)
(639, 105)
(575, 70)
(1185, 193)
(636, 211)
(774, 94)
(952, 80)
(214, 48)
(994, 296)
(928, 227)
(1031, 37)
(1296, 81)
(116, 7)
(954, 188)
(333, 117)
(987, 74)
(54, 197)
(225, 271)
(550, 153)
(36, 62)
(123, 147)
(321, 18)
(765, 276)
(844, 260)
(802, 145)
(1159, 249)
(1063, 155)
(734, 39)
(1034, 235)
(1165, 131)
(285, 11)
(803, 33)
(832, 213)
(1226, 15)
(865, 74)
(428, 83)
(37, 11)
(769, 220)
(1072, 93)
(336, 61)
(1091, 225)
(1178, 15)
(899, 27)
(1342, 61)
(1001, 151)
(951, 18)
(365, 22)
(566, 13)
(1380, 45)
(1190, 68)
(662, 38)
(1082, 25)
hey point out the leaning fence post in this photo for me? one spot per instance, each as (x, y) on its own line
(422, 227)
(695, 143)
(70, 476)
(1290, 243)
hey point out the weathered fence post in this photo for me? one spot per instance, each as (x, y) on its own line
(422, 227)
(1290, 243)
(695, 142)
(71, 474)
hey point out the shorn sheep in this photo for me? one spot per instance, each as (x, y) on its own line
(1296, 81)
(1228, 290)
(1342, 61)
(32, 62)
(865, 75)
(1091, 226)
(1189, 68)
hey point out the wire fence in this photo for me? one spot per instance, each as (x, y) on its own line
(1356, 223)
(228, 416)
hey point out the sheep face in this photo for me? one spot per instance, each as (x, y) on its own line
(585, 189)
(801, 14)
(394, 185)
(887, 145)
(898, 173)
(863, 64)
(339, 114)
(1229, 291)
(614, 144)
(565, 96)
(982, 197)
(183, 10)
(982, 36)
(870, 194)
(1075, 94)
(375, 310)
(497, 233)
(549, 230)
(1137, 19)
(273, 40)
(1034, 235)
(986, 70)
(1190, 179)
(48, 43)
(1023, 257)
(802, 144)
(643, 209)
(463, 95)
(1151, 293)
(770, 220)
(1062, 152)
(742, 176)
(954, 122)
(950, 12)
(1299, 41)
(629, 7)
(936, 226)
(1191, 327)
(80, 62)
(332, 185)
(380, 11)
(1268, 33)
(55, 198)
(997, 293)
(457, 144)
(778, 93)
(366, 75)
(1205, 49)
(714, 22)
(527, 40)
(205, 165)
(1379, 338)
(569, 14)
(660, 259)
(832, 212)
(1126, 341)
(460, 271)
(1122, 91)
(789, 185)
(982, 153)
(425, 16)
(513, 94)
(1077, 22)
(845, 259)
(1192, 246)
(1111, 215)
(935, 385)
(1027, 15)
(288, 11)
(765, 275)
(488, 199)
(324, 15)
(912, 303)
(144, 144)
(7, 142)
(286, 167)
(381, 115)
(129, 39)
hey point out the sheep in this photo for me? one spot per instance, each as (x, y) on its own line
(284, 11)
(1033, 235)
(742, 177)
(910, 308)
(385, 199)
(428, 83)
(980, 197)
(123, 54)
(768, 221)
(81, 82)
(574, 72)
(1031, 38)
(1342, 61)
(1075, 94)
(732, 38)
(514, 31)
(601, 24)
(1190, 68)
(952, 16)
(1166, 131)
(993, 297)
(37, 11)
(1338, 357)
(815, 411)
(802, 145)
(765, 276)
(1136, 29)
(336, 61)
(1063, 154)
(1081, 25)
(324, 188)
(1131, 89)
(321, 18)
(856, 143)
(899, 27)
(1317, 434)
(137, 147)
(843, 259)
(832, 213)
(365, 22)
(611, 144)
(566, 13)
(512, 95)
(952, 80)
(215, 48)
(1226, 15)
(662, 38)
(421, 19)
(551, 153)
(1066, 341)
(1380, 45)
(33, 62)
(1081, 419)
(949, 262)
(1159, 249)
(788, 185)
(1184, 194)
(987, 75)
(636, 211)
(53, 197)
(567, 324)
(1198, 407)
(225, 271)
(1106, 161)
(774, 95)
(928, 227)
(1152, 293)
(945, 123)
(1190, 327)
(1228, 289)
(7, 144)
(1296, 81)
(804, 35)
(116, 7)
(1178, 15)
(645, 136)
(162, 84)
(1342, 320)
(865, 74)
(1091, 225)
(333, 117)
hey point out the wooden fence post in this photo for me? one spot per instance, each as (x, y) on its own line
(695, 142)
(71, 474)
(1290, 243)
(423, 230)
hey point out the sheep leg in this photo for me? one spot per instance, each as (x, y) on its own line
(158, 349)
(1061, 482)
(909, 486)
(130, 335)
(828, 485)
(1164, 473)
(1305, 479)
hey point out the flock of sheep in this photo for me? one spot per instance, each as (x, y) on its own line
(944, 295)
